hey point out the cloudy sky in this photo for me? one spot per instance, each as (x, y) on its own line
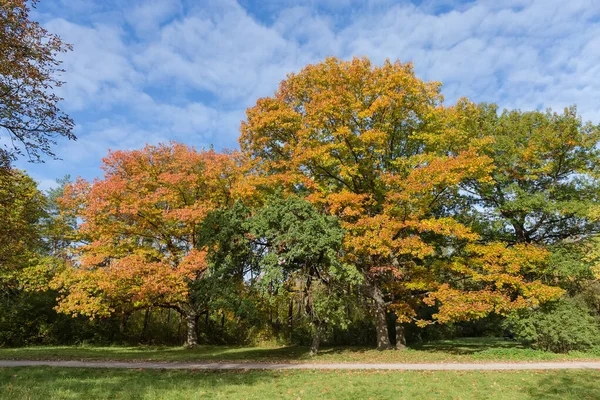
(148, 71)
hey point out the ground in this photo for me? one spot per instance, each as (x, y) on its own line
(85, 383)
(461, 350)
(57, 383)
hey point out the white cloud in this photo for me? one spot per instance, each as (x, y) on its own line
(227, 53)
(187, 73)
(99, 72)
(146, 17)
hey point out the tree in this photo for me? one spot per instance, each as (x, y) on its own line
(300, 250)
(26, 266)
(139, 227)
(29, 70)
(58, 228)
(545, 186)
(561, 326)
(227, 287)
(21, 210)
(376, 147)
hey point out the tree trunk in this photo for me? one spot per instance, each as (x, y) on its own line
(123, 324)
(400, 338)
(179, 327)
(145, 327)
(291, 318)
(383, 336)
(316, 341)
(192, 335)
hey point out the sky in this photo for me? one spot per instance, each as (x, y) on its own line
(151, 71)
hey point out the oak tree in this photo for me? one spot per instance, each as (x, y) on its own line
(545, 186)
(375, 146)
(139, 228)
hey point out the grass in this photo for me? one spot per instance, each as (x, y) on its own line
(61, 383)
(461, 350)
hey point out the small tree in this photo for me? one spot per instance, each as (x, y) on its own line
(21, 211)
(560, 326)
(300, 250)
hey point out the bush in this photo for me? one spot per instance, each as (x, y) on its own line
(559, 327)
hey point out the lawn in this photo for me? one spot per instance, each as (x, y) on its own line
(461, 350)
(61, 383)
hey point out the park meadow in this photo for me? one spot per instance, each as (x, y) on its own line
(362, 222)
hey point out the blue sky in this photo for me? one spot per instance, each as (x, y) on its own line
(149, 71)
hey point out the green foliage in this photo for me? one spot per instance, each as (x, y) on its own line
(560, 327)
(21, 209)
(294, 236)
(300, 253)
(300, 250)
(58, 228)
(28, 318)
(545, 183)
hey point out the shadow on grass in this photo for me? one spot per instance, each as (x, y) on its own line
(70, 383)
(565, 387)
(57, 383)
(467, 346)
(430, 351)
(151, 353)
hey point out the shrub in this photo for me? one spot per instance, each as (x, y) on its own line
(560, 327)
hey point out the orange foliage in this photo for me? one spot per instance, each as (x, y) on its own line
(374, 146)
(139, 227)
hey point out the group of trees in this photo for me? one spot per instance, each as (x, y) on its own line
(358, 201)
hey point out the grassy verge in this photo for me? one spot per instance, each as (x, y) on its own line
(462, 350)
(57, 383)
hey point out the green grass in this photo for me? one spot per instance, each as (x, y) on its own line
(462, 350)
(60, 383)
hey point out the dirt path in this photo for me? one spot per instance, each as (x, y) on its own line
(276, 366)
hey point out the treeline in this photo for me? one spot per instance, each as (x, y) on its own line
(359, 210)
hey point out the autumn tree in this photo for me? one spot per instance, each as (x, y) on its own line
(21, 210)
(544, 189)
(545, 186)
(29, 72)
(139, 228)
(374, 146)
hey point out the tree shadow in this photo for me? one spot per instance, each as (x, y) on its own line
(565, 385)
(467, 346)
(76, 383)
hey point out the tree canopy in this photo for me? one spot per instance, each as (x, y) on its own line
(29, 74)
(359, 202)
(139, 230)
(375, 147)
